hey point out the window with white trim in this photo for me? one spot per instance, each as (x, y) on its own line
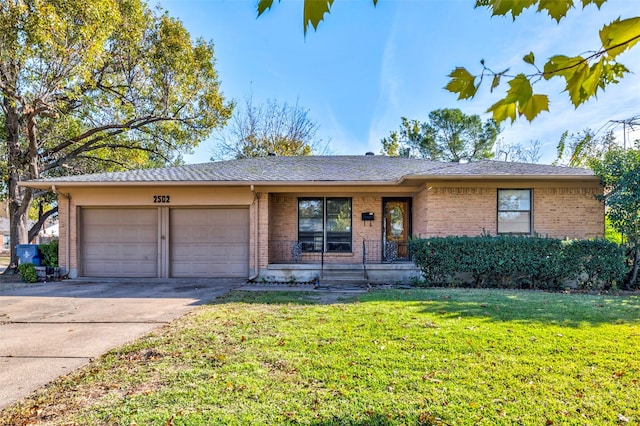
(514, 211)
(324, 224)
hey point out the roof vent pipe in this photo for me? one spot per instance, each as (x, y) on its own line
(271, 154)
(369, 153)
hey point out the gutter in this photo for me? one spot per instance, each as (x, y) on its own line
(256, 244)
(48, 184)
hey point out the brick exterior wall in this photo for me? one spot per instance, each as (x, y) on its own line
(558, 211)
(67, 218)
(264, 221)
(443, 211)
(568, 212)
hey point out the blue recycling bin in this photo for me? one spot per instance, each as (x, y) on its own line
(28, 253)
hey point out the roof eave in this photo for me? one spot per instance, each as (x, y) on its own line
(46, 185)
(49, 184)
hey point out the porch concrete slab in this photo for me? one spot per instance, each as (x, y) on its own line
(51, 329)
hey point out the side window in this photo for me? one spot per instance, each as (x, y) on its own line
(514, 211)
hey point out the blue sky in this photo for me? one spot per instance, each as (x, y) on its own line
(366, 67)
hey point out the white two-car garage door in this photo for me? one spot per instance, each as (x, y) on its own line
(203, 242)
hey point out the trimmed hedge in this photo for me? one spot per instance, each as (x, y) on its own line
(518, 262)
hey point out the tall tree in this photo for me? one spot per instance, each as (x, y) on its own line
(269, 128)
(619, 171)
(583, 75)
(519, 153)
(577, 149)
(448, 135)
(94, 85)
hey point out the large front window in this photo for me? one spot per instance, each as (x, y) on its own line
(324, 224)
(514, 211)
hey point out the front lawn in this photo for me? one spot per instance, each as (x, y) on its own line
(391, 357)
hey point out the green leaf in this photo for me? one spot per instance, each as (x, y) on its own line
(521, 100)
(519, 89)
(612, 73)
(496, 81)
(529, 58)
(619, 35)
(502, 110)
(593, 80)
(598, 3)
(574, 84)
(264, 5)
(502, 7)
(463, 83)
(534, 106)
(561, 65)
(557, 9)
(314, 11)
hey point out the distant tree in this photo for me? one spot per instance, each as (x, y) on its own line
(519, 153)
(269, 128)
(577, 149)
(448, 135)
(583, 75)
(97, 85)
(619, 172)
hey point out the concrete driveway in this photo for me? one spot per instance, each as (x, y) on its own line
(48, 330)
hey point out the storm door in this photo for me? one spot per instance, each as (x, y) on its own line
(396, 232)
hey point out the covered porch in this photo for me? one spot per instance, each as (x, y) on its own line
(335, 237)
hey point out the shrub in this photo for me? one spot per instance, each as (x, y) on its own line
(595, 263)
(517, 262)
(49, 254)
(28, 272)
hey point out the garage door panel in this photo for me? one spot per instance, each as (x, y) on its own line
(124, 234)
(118, 268)
(209, 242)
(119, 242)
(124, 252)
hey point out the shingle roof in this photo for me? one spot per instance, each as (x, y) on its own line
(339, 169)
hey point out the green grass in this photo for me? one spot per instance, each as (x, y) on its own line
(395, 357)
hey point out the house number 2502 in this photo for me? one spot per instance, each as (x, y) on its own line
(161, 199)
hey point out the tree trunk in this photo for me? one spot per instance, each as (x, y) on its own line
(633, 274)
(17, 229)
(18, 197)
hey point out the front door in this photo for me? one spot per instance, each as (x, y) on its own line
(397, 222)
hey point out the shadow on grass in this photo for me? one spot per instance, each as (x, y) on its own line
(571, 310)
(371, 420)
